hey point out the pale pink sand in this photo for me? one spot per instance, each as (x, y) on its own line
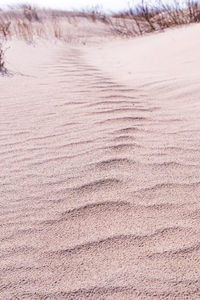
(100, 170)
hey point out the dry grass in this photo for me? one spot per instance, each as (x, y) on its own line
(145, 18)
(1, 59)
(4, 33)
(29, 23)
(26, 22)
(3, 69)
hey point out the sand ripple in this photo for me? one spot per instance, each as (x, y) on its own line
(99, 189)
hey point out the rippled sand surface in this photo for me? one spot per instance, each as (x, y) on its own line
(100, 178)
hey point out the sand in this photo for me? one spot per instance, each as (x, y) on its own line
(100, 177)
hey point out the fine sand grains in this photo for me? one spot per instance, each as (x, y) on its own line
(100, 177)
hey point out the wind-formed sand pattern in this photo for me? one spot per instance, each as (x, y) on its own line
(100, 167)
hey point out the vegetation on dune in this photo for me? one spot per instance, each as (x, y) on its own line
(4, 32)
(144, 18)
(26, 22)
(2, 63)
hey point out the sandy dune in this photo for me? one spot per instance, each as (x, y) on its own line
(100, 177)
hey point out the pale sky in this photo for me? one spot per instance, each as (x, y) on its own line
(109, 5)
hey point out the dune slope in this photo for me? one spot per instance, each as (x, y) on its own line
(100, 177)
